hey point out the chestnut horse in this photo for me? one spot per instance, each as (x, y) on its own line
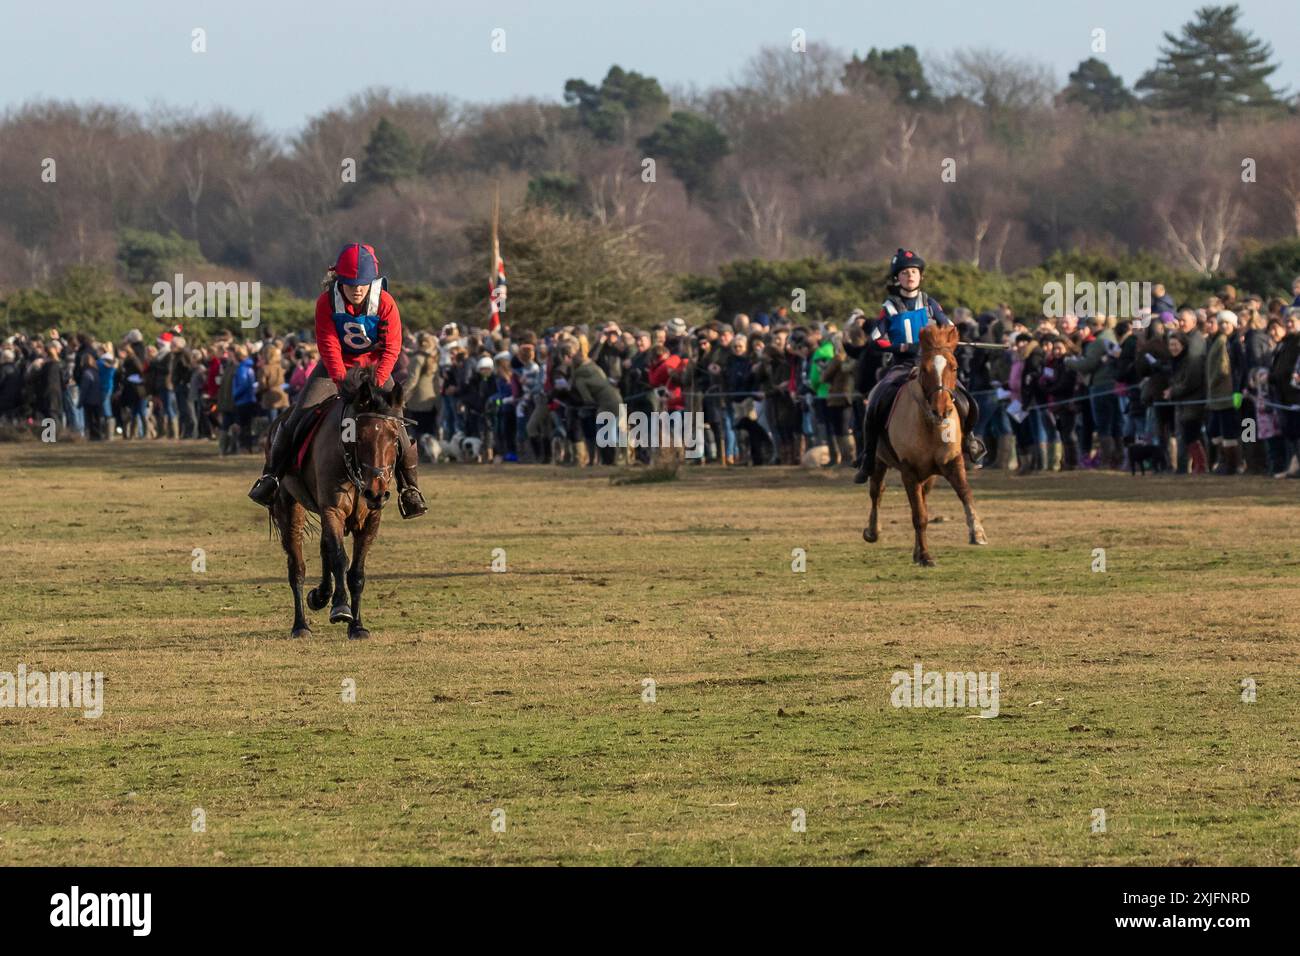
(348, 490)
(924, 440)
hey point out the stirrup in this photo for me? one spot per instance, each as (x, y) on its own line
(416, 507)
(975, 448)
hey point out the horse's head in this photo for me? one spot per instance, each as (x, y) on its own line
(376, 415)
(938, 369)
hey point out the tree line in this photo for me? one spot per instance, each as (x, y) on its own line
(809, 155)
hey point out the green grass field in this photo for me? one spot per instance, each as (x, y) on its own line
(522, 691)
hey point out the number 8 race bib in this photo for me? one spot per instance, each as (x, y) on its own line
(355, 337)
(357, 332)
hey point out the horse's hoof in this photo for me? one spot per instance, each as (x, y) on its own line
(979, 538)
(341, 614)
(301, 632)
(316, 601)
(868, 537)
(925, 561)
(357, 633)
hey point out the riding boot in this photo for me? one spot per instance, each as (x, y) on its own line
(277, 459)
(867, 462)
(410, 502)
(969, 414)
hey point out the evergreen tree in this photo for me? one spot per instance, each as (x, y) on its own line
(898, 73)
(1095, 87)
(1215, 69)
(624, 100)
(692, 145)
(390, 154)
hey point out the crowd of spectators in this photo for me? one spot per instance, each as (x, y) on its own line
(1210, 386)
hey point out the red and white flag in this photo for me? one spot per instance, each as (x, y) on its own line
(496, 289)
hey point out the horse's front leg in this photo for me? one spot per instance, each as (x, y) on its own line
(920, 518)
(361, 541)
(955, 472)
(871, 533)
(332, 531)
(290, 517)
(318, 597)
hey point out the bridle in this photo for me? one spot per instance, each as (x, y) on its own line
(356, 471)
(927, 398)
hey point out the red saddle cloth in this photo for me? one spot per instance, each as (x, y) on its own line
(318, 416)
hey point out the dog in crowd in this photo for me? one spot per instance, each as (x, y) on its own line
(430, 449)
(1142, 454)
(463, 449)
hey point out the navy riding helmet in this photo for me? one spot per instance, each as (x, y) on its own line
(905, 259)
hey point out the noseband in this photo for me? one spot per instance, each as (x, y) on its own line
(356, 471)
(928, 397)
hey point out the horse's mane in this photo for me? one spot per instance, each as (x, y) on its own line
(930, 336)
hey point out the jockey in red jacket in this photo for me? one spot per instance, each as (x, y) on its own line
(357, 323)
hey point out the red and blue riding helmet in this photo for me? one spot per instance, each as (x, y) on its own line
(357, 265)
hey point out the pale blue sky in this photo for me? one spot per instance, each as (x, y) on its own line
(285, 59)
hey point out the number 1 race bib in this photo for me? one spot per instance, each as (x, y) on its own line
(907, 326)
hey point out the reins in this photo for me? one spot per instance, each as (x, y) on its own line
(352, 468)
(927, 397)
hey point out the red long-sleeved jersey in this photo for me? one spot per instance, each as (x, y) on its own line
(383, 351)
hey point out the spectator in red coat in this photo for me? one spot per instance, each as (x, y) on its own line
(665, 373)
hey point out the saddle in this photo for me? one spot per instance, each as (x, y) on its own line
(893, 403)
(885, 409)
(307, 428)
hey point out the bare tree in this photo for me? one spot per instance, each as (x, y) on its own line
(1201, 227)
(995, 80)
(780, 77)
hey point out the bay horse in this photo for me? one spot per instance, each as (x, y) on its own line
(348, 488)
(923, 440)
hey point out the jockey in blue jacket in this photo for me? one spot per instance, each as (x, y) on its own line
(897, 331)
